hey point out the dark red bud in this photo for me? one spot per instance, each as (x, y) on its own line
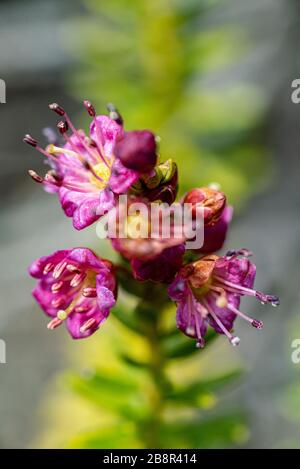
(89, 107)
(137, 150)
(57, 108)
(212, 201)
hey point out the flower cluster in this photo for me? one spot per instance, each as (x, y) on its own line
(89, 172)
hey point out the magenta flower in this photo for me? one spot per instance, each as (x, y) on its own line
(208, 292)
(77, 287)
(85, 173)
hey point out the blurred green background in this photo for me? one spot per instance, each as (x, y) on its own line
(213, 80)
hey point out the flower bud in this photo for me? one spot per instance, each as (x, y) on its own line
(137, 150)
(212, 201)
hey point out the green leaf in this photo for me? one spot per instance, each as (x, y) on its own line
(180, 346)
(216, 432)
(190, 394)
(132, 362)
(114, 437)
(126, 317)
(115, 394)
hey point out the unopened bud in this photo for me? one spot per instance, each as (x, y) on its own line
(213, 203)
(137, 150)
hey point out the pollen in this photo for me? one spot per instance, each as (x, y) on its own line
(103, 172)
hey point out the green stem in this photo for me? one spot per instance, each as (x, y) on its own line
(157, 362)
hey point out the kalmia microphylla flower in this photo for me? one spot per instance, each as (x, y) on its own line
(76, 287)
(85, 172)
(91, 173)
(208, 292)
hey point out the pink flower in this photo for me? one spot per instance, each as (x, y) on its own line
(208, 292)
(75, 286)
(85, 173)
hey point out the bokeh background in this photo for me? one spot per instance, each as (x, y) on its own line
(213, 79)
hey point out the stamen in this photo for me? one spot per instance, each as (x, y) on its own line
(48, 267)
(77, 279)
(100, 143)
(82, 139)
(54, 323)
(72, 268)
(57, 302)
(36, 177)
(190, 311)
(89, 292)
(274, 300)
(232, 339)
(62, 127)
(200, 343)
(240, 252)
(89, 107)
(61, 112)
(255, 323)
(234, 287)
(57, 108)
(88, 325)
(56, 286)
(81, 309)
(84, 188)
(50, 179)
(235, 341)
(114, 114)
(59, 269)
(56, 151)
(30, 140)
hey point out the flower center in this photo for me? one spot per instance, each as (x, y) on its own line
(201, 291)
(103, 172)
